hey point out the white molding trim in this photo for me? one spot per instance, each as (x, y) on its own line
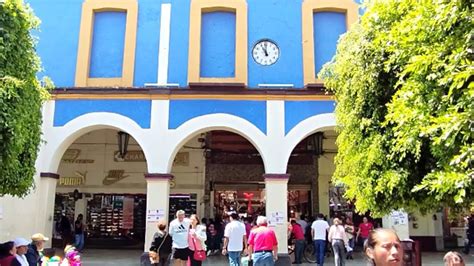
(305, 128)
(205, 123)
(163, 52)
(58, 139)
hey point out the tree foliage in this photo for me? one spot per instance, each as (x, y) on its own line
(403, 82)
(21, 96)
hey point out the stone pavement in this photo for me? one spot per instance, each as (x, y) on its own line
(103, 257)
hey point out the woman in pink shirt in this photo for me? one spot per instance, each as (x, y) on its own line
(196, 238)
(263, 244)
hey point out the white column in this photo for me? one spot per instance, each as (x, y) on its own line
(157, 199)
(276, 192)
(80, 207)
(398, 221)
(47, 193)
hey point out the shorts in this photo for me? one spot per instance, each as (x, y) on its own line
(181, 253)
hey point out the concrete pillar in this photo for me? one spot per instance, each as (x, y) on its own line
(47, 193)
(80, 207)
(157, 203)
(276, 191)
(398, 221)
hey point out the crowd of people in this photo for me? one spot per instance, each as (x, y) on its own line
(188, 239)
(21, 252)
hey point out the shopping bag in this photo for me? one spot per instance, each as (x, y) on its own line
(246, 261)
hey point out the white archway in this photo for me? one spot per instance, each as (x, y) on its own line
(58, 139)
(211, 122)
(304, 129)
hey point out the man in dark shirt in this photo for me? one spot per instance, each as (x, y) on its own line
(32, 255)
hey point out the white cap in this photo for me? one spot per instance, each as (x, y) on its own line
(20, 242)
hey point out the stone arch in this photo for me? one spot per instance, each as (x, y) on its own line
(60, 138)
(304, 129)
(211, 122)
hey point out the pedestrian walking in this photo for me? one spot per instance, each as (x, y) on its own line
(363, 233)
(64, 228)
(235, 240)
(7, 254)
(79, 230)
(178, 230)
(160, 249)
(453, 258)
(196, 239)
(21, 246)
(470, 234)
(298, 234)
(383, 248)
(319, 229)
(338, 239)
(34, 248)
(350, 231)
(263, 244)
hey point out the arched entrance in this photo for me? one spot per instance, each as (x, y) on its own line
(101, 176)
(220, 170)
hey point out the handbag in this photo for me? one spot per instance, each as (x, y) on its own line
(156, 258)
(199, 255)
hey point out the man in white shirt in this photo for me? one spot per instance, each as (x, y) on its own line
(21, 245)
(318, 232)
(179, 230)
(235, 238)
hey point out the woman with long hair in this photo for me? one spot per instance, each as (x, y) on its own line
(383, 248)
(196, 238)
(338, 239)
(350, 231)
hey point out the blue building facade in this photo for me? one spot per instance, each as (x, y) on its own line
(166, 71)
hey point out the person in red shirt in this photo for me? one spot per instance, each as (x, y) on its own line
(262, 244)
(298, 235)
(364, 229)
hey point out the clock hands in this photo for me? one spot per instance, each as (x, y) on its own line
(264, 47)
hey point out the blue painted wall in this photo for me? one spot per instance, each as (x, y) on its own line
(297, 111)
(278, 20)
(217, 44)
(108, 39)
(58, 38)
(148, 36)
(137, 110)
(328, 26)
(183, 110)
(179, 37)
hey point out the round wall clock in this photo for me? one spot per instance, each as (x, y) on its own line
(265, 52)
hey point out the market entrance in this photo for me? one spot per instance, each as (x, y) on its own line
(102, 178)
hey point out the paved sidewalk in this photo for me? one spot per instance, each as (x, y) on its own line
(103, 257)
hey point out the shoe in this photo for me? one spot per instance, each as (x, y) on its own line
(208, 253)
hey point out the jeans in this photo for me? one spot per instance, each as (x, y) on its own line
(319, 251)
(339, 252)
(263, 259)
(299, 248)
(234, 258)
(79, 241)
(351, 244)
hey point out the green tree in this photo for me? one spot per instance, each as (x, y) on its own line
(403, 83)
(21, 96)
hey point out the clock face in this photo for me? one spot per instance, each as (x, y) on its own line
(265, 52)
